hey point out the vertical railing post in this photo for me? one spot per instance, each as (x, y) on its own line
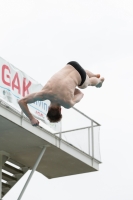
(60, 134)
(92, 136)
(89, 141)
(60, 130)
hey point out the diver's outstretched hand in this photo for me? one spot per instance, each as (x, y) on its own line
(34, 122)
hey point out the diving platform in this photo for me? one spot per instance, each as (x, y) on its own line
(67, 151)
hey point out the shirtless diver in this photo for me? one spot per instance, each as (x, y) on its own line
(61, 91)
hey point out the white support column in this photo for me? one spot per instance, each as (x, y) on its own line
(33, 170)
(3, 157)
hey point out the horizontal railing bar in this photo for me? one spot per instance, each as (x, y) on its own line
(75, 129)
(6, 104)
(86, 116)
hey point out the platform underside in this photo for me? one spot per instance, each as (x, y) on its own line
(25, 147)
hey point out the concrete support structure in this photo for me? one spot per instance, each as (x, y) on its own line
(3, 157)
(22, 141)
(32, 172)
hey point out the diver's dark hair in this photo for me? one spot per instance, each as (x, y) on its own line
(54, 114)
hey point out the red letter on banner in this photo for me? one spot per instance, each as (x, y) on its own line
(25, 87)
(17, 86)
(5, 67)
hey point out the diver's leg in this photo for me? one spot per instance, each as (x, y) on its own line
(90, 74)
(94, 81)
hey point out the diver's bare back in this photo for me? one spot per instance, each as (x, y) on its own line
(61, 86)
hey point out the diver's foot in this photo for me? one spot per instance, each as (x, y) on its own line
(100, 83)
(98, 75)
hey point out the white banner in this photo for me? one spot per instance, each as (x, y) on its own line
(15, 84)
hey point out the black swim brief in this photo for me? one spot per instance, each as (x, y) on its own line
(80, 70)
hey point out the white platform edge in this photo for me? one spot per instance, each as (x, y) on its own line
(44, 133)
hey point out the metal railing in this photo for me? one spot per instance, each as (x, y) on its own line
(87, 136)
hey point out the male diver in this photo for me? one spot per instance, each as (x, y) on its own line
(62, 90)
